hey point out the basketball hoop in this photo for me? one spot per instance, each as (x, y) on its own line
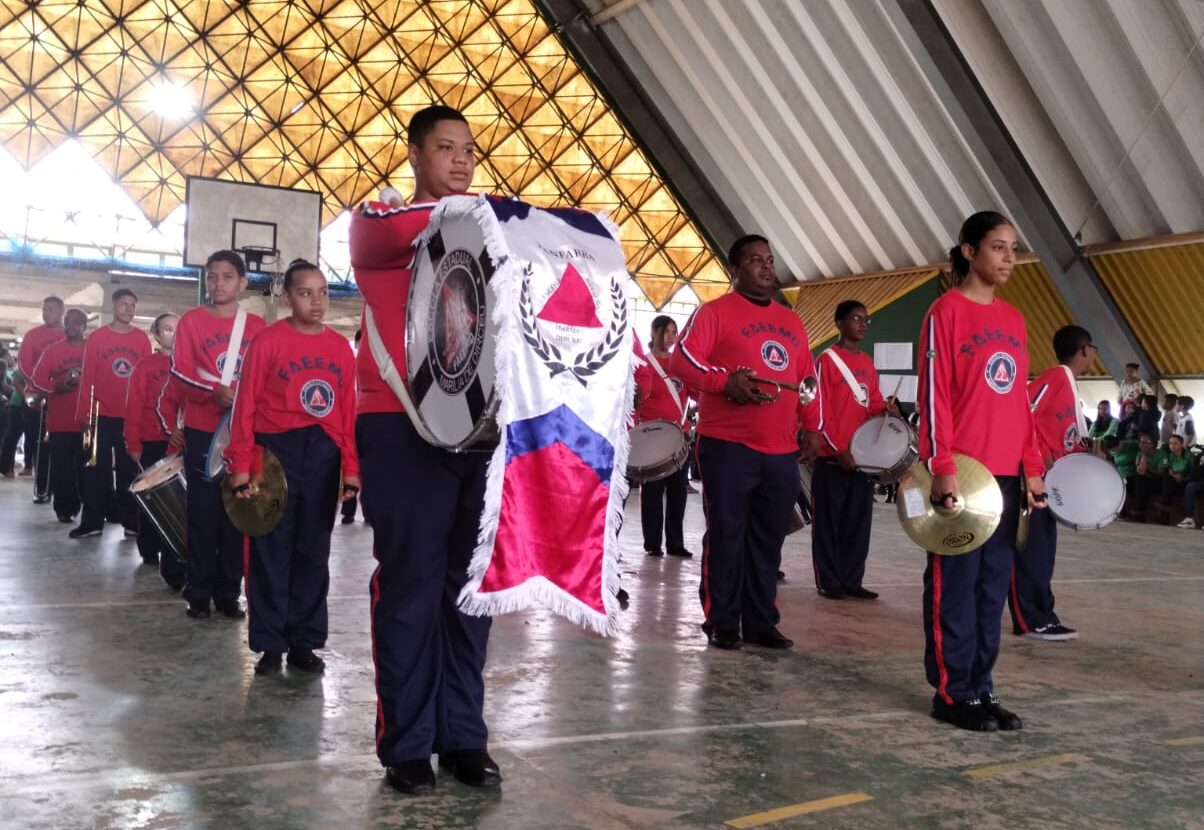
(254, 255)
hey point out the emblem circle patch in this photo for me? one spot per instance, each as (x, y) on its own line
(774, 355)
(122, 367)
(220, 365)
(1001, 372)
(317, 398)
(1071, 439)
(457, 321)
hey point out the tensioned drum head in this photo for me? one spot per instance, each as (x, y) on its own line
(880, 442)
(1085, 492)
(654, 442)
(215, 464)
(158, 473)
(449, 335)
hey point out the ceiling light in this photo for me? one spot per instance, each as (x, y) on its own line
(170, 101)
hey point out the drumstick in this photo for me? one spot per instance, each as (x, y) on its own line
(898, 383)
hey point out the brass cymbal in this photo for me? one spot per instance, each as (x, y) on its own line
(258, 515)
(966, 526)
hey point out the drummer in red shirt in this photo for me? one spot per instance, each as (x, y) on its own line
(109, 359)
(146, 439)
(747, 445)
(296, 398)
(56, 375)
(842, 497)
(33, 344)
(205, 343)
(1061, 430)
(662, 397)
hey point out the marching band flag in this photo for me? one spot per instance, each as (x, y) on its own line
(563, 376)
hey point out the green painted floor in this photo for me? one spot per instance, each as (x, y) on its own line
(118, 712)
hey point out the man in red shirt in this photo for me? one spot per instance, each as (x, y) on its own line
(56, 375)
(109, 359)
(747, 445)
(424, 504)
(33, 344)
(1061, 429)
(842, 497)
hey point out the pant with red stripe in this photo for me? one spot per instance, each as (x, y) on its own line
(656, 516)
(215, 547)
(1031, 598)
(964, 597)
(748, 499)
(424, 505)
(288, 571)
(843, 509)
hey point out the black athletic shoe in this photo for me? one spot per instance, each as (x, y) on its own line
(771, 639)
(41, 499)
(861, 593)
(623, 597)
(269, 663)
(830, 593)
(473, 767)
(965, 714)
(657, 552)
(305, 660)
(198, 610)
(82, 532)
(411, 777)
(229, 608)
(1007, 720)
(683, 553)
(726, 640)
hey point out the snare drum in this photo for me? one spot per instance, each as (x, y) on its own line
(658, 449)
(162, 493)
(1085, 492)
(885, 447)
(215, 464)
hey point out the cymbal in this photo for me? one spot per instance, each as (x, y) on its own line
(965, 527)
(258, 515)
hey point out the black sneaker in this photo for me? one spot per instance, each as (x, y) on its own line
(657, 552)
(726, 640)
(965, 714)
(624, 599)
(861, 593)
(1007, 720)
(830, 593)
(41, 499)
(229, 608)
(198, 610)
(771, 639)
(1053, 632)
(683, 553)
(82, 532)
(269, 663)
(305, 660)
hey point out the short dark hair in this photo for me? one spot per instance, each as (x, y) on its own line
(295, 267)
(1152, 400)
(230, 257)
(846, 308)
(122, 293)
(1068, 340)
(1132, 365)
(736, 252)
(1187, 401)
(425, 120)
(1171, 398)
(52, 299)
(973, 231)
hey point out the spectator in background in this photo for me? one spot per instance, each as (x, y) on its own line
(1195, 483)
(1147, 414)
(1133, 386)
(1170, 418)
(8, 422)
(1174, 463)
(1144, 477)
(1129, 428)
(1102, 434)
(1185, 424)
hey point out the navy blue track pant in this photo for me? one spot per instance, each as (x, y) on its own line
(288, 573)
(663, 510)
(963, 606)
(101, 500)
(66, 463)
(424, 505)
(1030, 597)
(150, 542)
(842, 509)
(215, 547)
(748, 499)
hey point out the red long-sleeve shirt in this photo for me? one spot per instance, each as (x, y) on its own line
(733, 332)
(57, 360)
(198, 358)
(972, 394)
(142, 401)
(34, 343)
(109, 360)
(841, 413)
(1055, 413)
(170, 403)
(381, 241)
(656, 401)
(292, 380)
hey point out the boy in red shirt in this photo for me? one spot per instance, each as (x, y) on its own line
(109, 359)
(296, 397)
(33, 344)
(56, 375)
(424, 504)
(210, 342)
(1061, 430)
(747, 445)
(842, 497)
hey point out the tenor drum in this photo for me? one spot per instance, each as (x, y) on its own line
(885, 447)
(215, 463)
(658, 449)
(1085, 492)
(162, 493)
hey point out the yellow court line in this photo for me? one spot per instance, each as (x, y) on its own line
(819, 804)
(1031, 763)
(1185, 741)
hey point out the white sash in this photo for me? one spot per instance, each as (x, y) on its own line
(1080, 419)
(389, 374)
(670, 385)
(859, 394)
(231, 364)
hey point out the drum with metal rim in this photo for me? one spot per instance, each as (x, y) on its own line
(885, 447)
(162, 493)
(215, 464)
(658, 449)
(1085, 492)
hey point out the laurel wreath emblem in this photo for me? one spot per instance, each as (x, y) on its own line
(587, 363)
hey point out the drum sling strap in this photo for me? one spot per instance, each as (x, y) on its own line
(681, 408)
(389, 374)
(858, 393)
(231, 364)
(1080, 420)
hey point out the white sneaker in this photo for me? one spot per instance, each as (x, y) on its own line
(1053, 631)
(1188, 523)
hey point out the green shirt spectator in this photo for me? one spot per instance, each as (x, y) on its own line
(1125, 459)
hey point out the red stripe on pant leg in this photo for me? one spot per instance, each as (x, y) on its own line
(1016, 603)
(937, 637)
(246, 578)
(380, 709)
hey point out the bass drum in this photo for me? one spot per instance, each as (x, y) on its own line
(1085, 492)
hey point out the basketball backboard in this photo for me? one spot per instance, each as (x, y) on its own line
(270, 226)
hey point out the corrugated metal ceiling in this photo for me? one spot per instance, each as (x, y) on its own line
(815, 301)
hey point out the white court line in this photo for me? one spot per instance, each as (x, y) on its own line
(133, 777)
(136, 603)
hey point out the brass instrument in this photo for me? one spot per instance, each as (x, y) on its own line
(92, 433)
(807, 390)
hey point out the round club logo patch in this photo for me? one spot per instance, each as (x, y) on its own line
(221, 365)
(317, 398)
(122, 367)
(1071, 439)
(1001, 372)
(457, 316)
(774, 355)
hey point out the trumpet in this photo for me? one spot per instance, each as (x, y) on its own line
(807, 390)
(91, 434)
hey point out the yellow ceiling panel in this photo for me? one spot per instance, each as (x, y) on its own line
(816, 299)
(1030, 289)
